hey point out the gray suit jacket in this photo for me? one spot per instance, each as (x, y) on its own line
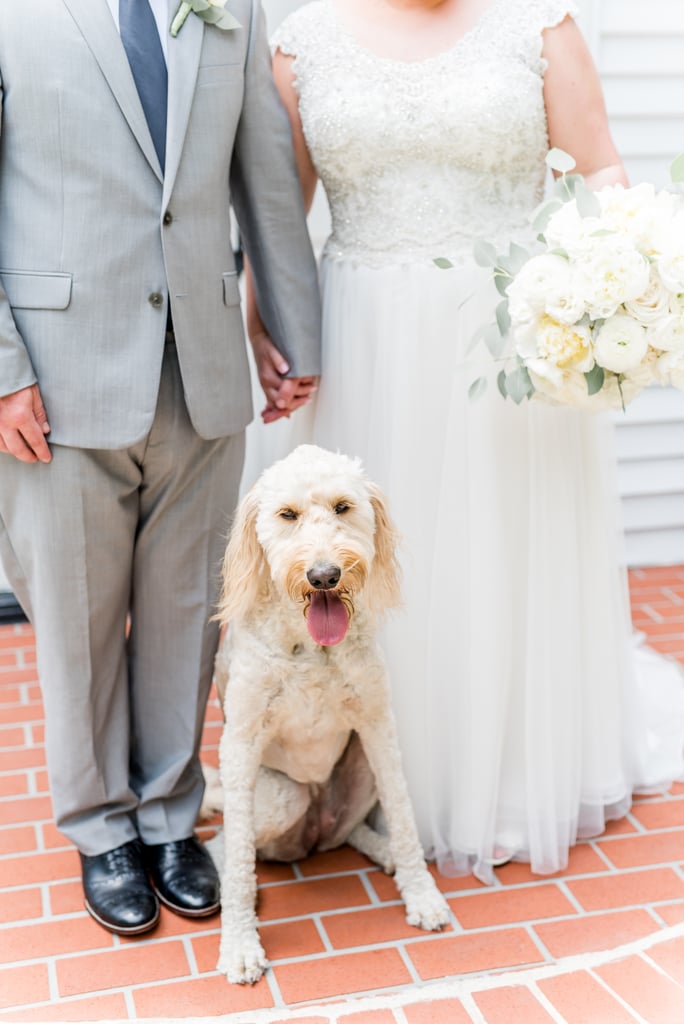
(94, 242)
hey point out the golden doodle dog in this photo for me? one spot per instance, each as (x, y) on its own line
(309, 744)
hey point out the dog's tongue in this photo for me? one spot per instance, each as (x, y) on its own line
(327, 620)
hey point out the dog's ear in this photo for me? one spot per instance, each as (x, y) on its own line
(243, 564)
(383, 588)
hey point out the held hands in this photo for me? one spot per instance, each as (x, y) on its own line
(283, 394)
(23, 425)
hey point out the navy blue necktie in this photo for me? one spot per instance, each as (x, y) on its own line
(143, 48)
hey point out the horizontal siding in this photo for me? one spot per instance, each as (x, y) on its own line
(658, 55)
(639, 50)
(641, 18)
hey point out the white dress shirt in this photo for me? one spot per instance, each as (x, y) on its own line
(160, 9)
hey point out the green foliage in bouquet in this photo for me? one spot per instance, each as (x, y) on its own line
(596, 312)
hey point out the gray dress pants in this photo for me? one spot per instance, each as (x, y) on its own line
(115, 557)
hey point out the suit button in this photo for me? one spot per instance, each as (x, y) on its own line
(168, 217)
(156, 300)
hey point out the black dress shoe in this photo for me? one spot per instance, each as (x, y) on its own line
(184, 876)
(117, 890)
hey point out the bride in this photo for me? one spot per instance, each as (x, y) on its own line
(526, 716)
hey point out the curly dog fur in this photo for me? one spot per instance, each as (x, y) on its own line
(309, 744)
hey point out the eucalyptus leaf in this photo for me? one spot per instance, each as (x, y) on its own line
(677, 168)
(588, 204)
(484, 253)
(518, 254)
(519, 385)
(477, 388)
(495, 341)
(443, 263)
(503, 317)
(544, 212)
(559, 252)
(565, 186)
(558, 160)
(502, 282)
(595, 378)
(501, 383)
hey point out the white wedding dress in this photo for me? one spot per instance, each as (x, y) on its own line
(523, 721)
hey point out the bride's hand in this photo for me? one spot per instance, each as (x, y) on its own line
(283, 394)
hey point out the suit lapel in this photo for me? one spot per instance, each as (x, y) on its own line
(99, 31)
(183, 62)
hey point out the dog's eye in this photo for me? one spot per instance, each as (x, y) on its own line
(287, 513)
(340, 508)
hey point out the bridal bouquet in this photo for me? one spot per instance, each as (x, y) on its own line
(598, 313)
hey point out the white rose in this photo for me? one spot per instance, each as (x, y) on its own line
(613, 272)
(668, 334)
(653, 305)
(621, 344)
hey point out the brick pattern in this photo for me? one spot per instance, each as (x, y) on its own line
(334, 927)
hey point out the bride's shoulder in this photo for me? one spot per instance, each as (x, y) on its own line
(301, 28)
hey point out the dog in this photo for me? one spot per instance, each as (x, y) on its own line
(309, 744)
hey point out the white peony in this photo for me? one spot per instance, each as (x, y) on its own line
(621, 344)
(569, 231)
(613, 272)
(628, 212)
(546, 284)
(565, 346)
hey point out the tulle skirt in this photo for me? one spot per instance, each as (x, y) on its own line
(527, 712)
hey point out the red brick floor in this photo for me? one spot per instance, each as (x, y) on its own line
(600, 943)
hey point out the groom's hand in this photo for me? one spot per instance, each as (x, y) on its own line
(283, 394)
(23, 425)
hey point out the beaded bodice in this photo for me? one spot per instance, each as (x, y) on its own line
(419, 159)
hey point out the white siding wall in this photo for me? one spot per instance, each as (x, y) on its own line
(639, 50)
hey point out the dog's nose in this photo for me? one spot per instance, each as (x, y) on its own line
(324, 577)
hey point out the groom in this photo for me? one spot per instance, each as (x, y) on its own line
(124, 394)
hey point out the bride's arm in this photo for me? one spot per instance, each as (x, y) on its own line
(283, 394)
(575, 108)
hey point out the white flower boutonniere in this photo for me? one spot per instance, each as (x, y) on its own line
(212, 11)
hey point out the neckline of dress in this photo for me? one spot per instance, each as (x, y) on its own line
(348, 34)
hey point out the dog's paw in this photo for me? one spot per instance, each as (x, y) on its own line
(212, 801)
(242, 962)
(425, 906)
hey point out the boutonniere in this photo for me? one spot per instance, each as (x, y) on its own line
(212, 11)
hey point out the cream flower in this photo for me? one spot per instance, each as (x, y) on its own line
(667, 335)
(565, 346)
(546, 284)
(652, 305)
(621, 344)
(613, 272)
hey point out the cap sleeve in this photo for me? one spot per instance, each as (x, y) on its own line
(552, 12)
(294, 35)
